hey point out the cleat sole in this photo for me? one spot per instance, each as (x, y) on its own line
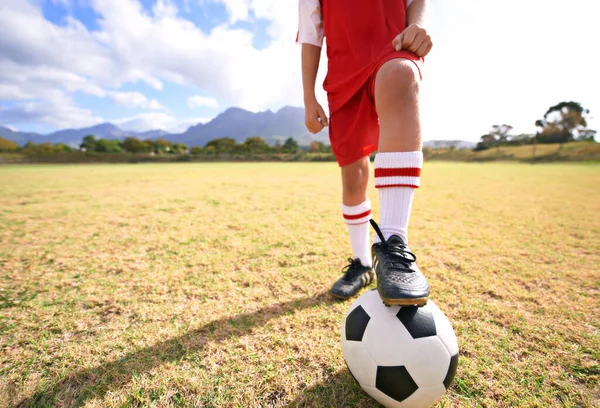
(405, 302)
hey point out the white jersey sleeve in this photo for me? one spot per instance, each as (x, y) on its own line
(310, 24)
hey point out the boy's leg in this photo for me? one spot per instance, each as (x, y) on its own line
(356, 210)
(397, 175)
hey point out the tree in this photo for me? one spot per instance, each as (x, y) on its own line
(38, 148)
(179, 148)
(8, 145)
(62, 148)
(222, 145)
(133, 145)
(88, 143)
(256, 144)
(108, 146)
(586, 135)
(163, 146)
(196, 150)
(561, 122)
(500, 132)
(150, 146)
(316, 147)
(290, 146)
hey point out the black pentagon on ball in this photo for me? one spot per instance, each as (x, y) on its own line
(356, 324)
(451, 371)
(418, 322)
(395, 382)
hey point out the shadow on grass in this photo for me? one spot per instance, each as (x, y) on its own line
(80, 386)
(337, 390)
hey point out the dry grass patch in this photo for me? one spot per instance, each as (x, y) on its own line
(205, 284)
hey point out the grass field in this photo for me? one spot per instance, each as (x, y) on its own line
(206, 284)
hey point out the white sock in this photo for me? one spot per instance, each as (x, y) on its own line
(357, 219)
(397, 175)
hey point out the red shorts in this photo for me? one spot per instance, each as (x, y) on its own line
(354, 128)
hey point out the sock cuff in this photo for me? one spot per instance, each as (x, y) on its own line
(357, 214)
(398, 169)
(399, 160)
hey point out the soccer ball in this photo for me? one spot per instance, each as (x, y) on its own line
(403, 357)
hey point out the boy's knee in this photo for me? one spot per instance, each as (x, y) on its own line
(397, 78)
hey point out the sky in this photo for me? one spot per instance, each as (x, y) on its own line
(170, 64)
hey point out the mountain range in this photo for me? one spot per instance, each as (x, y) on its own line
(236, 123)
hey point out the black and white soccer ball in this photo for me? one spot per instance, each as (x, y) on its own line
(403, 357)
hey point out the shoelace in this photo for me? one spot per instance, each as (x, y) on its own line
(396, 256)
(352, 270)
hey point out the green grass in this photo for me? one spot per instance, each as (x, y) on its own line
(205, 284)
(574, 151)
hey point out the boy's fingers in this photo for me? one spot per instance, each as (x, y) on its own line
(407, 39)
(420, 39)
(323, 117)
(397, 42)
(314, 126)
(428, 49)
(421, 51)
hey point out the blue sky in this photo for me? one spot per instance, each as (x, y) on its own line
(170, 64)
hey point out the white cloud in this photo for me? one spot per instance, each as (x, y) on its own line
(12, 92)
(161, 121)
(237, 9)
(133, 46)
(202, 101)
(164, 9)
(147, 121)
(135, 100)
(184, 125)
(56, 110)
(489, 64)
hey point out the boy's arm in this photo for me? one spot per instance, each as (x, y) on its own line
(417, 13)
(315, 118)
(311, 56)
(310, 35)
(415, 38)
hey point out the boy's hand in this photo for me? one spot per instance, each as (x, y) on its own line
(414, 39)
(314, 117)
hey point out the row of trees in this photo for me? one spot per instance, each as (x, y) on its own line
(562, 123)
(252, 145)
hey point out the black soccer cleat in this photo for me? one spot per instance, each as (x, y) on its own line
(356, 276)
(399, 280)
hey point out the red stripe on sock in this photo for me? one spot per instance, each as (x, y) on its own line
(357, 216)
(394, 172)
(397, 185)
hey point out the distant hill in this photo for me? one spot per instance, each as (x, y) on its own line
(74, 136)
(240, 124)
(19, 138)
(236, 123)
(457, 144)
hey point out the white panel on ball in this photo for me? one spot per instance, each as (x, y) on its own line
(359, 362)
(384, 339)
(424, 397)
(444, 330)
(428, 361)
(373, 305)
